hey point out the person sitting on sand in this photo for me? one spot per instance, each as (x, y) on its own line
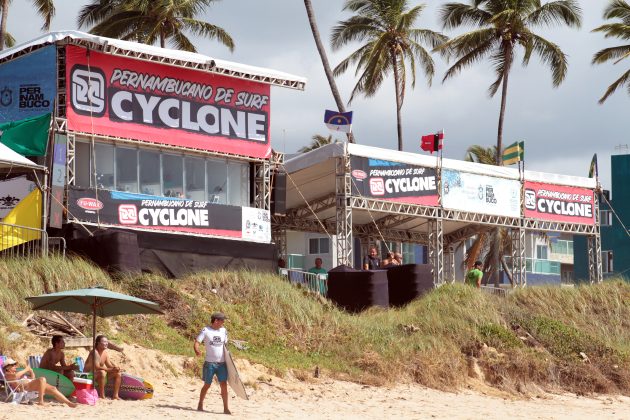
(39, 385)
(54, 359)
(104, 369)
(214, 338)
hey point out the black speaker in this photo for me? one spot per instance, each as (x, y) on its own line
(279, 193)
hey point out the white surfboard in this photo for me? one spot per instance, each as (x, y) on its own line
(233, 379)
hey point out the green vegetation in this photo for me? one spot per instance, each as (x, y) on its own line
(576, 339)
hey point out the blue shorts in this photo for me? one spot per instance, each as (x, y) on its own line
(211, 369)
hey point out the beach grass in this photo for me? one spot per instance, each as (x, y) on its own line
(574, 339)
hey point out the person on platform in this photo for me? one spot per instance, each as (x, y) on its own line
(104, 369)
(318, 269)
(399, 258)
(371, 261)
(214, 339)
(18, 381)
(474, 276)
(54, 358)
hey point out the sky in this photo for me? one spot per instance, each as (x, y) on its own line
(562, 128)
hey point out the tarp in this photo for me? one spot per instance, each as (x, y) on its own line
(27, 214)
(10, 159)
(28, 137)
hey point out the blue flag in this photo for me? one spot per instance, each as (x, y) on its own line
(338, 121)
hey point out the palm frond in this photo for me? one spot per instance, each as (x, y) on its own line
(551, 55)
(46, 9)
(616, 30)
(618, 9)
(208, 30)
(567, 12)
(612, 53)
(454, 15)
(623, 80)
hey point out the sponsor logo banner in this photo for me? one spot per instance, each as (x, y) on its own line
(480, 193)
(129, 98)
(27, 85)
(559, 203)
(169, 214)
(12, 191)
(394, 181)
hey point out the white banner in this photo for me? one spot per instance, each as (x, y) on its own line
(256, 225)
(480, 194)
(12, 191)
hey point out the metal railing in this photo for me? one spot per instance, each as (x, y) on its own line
(23, 241)
(317, 283)
(496, 290)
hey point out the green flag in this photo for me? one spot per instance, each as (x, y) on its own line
(514, 153)
(27, 137)
(592, 171)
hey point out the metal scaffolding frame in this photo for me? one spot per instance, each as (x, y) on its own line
(519, 272)
(262, 185)
(343, 219)
(449, 264)
(595, 249)
(436, 250)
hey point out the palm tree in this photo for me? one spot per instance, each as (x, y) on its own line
(322, 55)
(621, 10)
(151, 21)
(45, 8)
(390, 44)
(500, 27)
(317, 142)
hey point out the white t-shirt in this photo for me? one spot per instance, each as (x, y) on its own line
(214, 340)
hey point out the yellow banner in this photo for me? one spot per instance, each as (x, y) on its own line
(27, 214)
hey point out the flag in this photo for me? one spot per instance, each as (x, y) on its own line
(27, 213)
(432, 142)
(28, 137)
(593, 170)
(514, 153)
(338, 121)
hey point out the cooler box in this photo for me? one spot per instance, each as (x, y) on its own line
(81, 383)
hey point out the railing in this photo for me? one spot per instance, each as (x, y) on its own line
(317, 283)
(22, 241)
(496, 290)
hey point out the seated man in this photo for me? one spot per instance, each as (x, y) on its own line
(103, 368)
(19, 382)
(54, 359)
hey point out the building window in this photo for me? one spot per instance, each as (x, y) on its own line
(607, 262)
(195, 179)
(173, 176)
(217, 181)
(126, 169)
(82, 173)
(318, 246)
(150, 173)
(104, 161)
(605, 217)
(541, 252)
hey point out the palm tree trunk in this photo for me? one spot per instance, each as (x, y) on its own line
(3, 23)
(506, 74)
(398, 102)
(322, 54)
(162, 39)
(509, 274)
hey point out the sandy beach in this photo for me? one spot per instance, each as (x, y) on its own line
(317, 398)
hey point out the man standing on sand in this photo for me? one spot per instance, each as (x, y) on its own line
(104, 369)
(474, 276)
(214, 339)
(54, 359)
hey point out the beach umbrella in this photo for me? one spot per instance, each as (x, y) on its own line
(96, 301)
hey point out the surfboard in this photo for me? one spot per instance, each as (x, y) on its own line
(62, 383)
(233, 379)
(131, 388)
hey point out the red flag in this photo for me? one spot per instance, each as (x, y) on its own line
(432, 142)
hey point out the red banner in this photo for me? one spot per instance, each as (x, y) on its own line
(559, 203)
(135, 99)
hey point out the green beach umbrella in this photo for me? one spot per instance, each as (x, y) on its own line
(96, 301)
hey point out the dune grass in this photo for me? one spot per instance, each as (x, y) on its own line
(574, 339)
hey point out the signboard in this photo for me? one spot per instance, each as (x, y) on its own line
(559, 203)
(27, 85)
(12, 191)
(480, 193)
(168, 214)
(129, 98)
(58, 181)
(394, 181)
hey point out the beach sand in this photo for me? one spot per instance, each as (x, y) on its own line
(316, 398)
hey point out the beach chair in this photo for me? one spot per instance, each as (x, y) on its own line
(10, 394)
(79, 373)
(80, 363)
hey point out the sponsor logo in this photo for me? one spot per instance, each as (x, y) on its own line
(359, 174)
(127, 214)
(377, 186)
(530, 199)
(32, 97)
(89, 203)
(410, 185)
(87, 91)
(6, 96)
